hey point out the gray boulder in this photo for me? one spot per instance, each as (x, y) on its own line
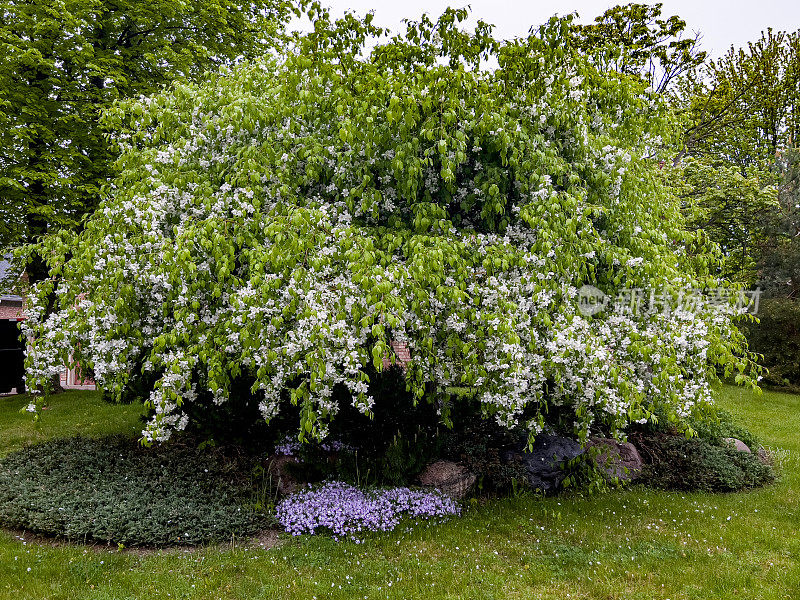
(453, 479)
(738, 444)
(617, 460)
(543, 464)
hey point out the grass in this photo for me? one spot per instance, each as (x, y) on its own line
(66, 415)
(627, 544)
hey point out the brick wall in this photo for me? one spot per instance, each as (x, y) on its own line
(10, 312)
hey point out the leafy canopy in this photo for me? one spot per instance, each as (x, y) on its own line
(64, 61)
(635, 40)
(735, 211)
(745, 107)
(286, 221)
(741, 115)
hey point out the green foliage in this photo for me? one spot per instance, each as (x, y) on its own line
(280, 225)
(714, 424)
(735, 211)
(584, 475)
(777, 337)
(743, 108)
(112, 490)
(741, 123)
(636, 41)
(63, 62)
(265, 492)
(694, 464)
(406, 457)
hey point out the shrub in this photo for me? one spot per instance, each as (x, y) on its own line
(677, 463)
(113, 490)
(281, 224)
(777, 337)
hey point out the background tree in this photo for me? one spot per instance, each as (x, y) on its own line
(636, 41)
(744, 108)
(736, 111)
(63, 62)
(777, 334)
(740, 114)
(735, 167)
(739, 213)
(779, 265)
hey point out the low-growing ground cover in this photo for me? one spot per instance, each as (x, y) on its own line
(634, 543)
(116, 491)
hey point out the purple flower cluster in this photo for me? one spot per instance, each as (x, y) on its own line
(290, 446)
(345, 510)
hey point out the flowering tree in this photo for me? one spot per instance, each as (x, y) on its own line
(282, 223)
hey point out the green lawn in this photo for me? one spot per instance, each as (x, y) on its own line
(66, 415)
(628, 544)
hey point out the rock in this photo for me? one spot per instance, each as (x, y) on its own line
(620, 460)
(278, 467)
(543, 464)
(451, 478)
(738, 444)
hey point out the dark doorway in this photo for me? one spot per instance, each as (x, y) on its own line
(12, 357)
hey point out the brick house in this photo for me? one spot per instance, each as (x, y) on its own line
(12, 311)
(11, 348)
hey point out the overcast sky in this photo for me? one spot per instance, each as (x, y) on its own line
(721, 22)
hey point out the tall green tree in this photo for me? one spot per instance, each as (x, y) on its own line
(738, 212)
(777, 334)
(745, 107)
(63, 61)
(741, 137)
(637, 41)
(741, 114)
